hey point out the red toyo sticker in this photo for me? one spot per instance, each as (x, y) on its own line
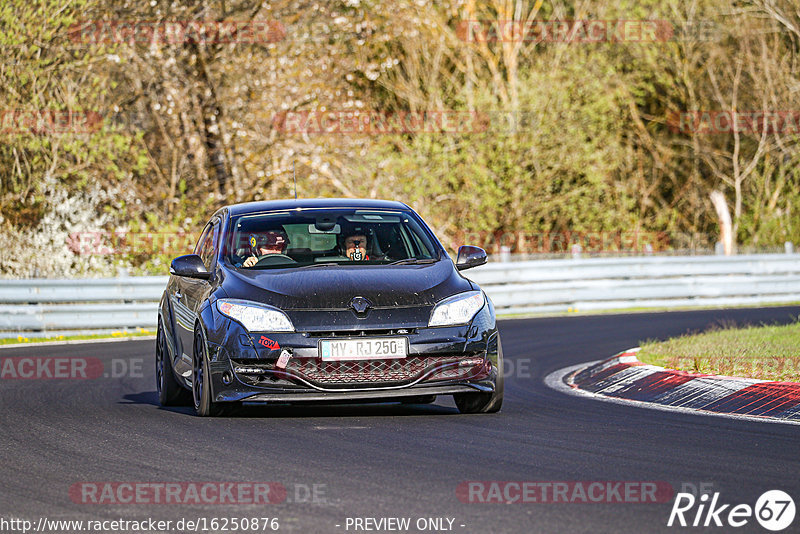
(270, 344)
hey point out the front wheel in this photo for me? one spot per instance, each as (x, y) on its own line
(201, 379)
(484, 402)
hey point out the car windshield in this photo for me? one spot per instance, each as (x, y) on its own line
(313, 237)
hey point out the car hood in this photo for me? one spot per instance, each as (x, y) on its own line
(333, 287)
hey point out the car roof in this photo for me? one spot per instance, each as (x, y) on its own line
(286, 204)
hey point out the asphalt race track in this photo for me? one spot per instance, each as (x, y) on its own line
(390, 460)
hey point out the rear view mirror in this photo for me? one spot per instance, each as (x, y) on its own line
(324, 228)
(190, 266)
(469, 256)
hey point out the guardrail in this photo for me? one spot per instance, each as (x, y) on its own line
(38, 307)
(53, 307)
(550, 286)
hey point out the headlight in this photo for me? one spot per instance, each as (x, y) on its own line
(255, 317)
(458, 309)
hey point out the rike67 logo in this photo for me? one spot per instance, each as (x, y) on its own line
(774, 510)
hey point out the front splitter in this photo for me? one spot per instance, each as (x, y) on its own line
(388, 394)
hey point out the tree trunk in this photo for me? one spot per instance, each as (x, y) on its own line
(725, 226)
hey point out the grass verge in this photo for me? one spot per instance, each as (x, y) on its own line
(763, 352)
(21, 339)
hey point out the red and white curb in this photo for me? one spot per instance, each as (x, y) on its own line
(624, 378)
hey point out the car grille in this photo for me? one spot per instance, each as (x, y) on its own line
(357, 333)
(359, 372)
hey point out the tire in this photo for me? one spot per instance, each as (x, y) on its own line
(201, 382)
(484, 402)
(170, 392)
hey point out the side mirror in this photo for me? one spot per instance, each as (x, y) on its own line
(190, 266)
(469, 256)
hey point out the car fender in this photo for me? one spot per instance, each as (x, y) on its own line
(165, 314)
(215, 328)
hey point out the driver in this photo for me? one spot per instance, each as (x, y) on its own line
(270, 242)
(355, 247)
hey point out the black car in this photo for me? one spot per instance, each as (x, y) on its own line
(325, 300)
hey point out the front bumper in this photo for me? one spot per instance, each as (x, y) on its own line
(443, 360)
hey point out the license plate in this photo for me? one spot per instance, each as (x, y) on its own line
(363, 349)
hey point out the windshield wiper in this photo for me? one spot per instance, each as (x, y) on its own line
(413, 261)
(320, 264)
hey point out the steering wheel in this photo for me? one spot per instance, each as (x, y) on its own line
(272, 259)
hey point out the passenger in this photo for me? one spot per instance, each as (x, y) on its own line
(355, 247)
